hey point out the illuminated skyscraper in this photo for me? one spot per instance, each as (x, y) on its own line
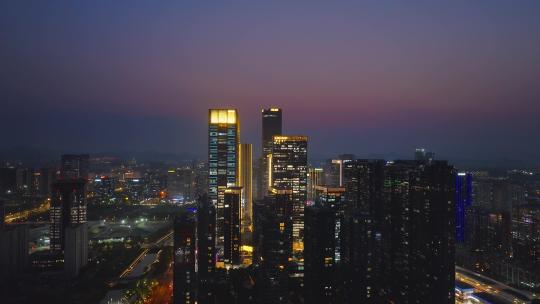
(289, 172)
(245, 180)
(271, 126)
(68, 207)
(315, 178)
(223, 140)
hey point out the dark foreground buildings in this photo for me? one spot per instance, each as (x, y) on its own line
(388, 238)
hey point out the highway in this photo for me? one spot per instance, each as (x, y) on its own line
(167, 237)
(16, 216)
(498, 290)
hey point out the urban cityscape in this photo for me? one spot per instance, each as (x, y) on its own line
(242, 199)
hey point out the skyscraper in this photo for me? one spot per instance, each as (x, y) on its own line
(75, 166)
(76, 249)
(206, 249)
(223, 140)
(68, 207)
(271, 126)
(320, 263)
(463, 201)
(315, 178)
(231, 227)
(399, 231)
(273, 245)
(245, 180)
(184, 276)
(288, 161)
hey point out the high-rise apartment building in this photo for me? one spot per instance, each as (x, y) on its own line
(288, 162)
(271, 126)
(273, 245)
(206, 249)
(223, 140)
(398, 231)
(231, 227)
(184, 275)
(68, 207)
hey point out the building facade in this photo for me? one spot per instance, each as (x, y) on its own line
(223, 140)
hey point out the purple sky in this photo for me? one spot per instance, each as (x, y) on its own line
(461, 78)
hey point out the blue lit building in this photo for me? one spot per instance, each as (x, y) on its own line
(463, 201)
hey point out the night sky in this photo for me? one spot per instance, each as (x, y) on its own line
(461, 78)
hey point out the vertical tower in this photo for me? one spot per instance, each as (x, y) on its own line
(245, 178)
(206, 250)
(315, 178)
(463, 201)
(75, 166)
(223, 139)
(271, 126)
(184, 280)
(68, 207)
(231, 228)
(288, 163)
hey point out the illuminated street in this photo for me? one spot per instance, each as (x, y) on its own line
(21, 215)
(486, 290)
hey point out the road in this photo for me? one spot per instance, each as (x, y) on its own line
(502, 292)
(167, 237)
(16, 216)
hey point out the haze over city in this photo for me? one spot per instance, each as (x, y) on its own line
(460, 78)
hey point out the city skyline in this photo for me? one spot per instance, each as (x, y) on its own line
(270, 152)
(403, 75)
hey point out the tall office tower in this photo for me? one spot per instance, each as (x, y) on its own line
(333, 170)
(184, 273)
(231, 225)
(68, 207)
(289, 172)
(315, 178)
(75, 166)
(223, 140)
(271, 126)
(319, 251)
(273, 245)
(76, 249)
(245, 180)
(206, 249)
(463, 202)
